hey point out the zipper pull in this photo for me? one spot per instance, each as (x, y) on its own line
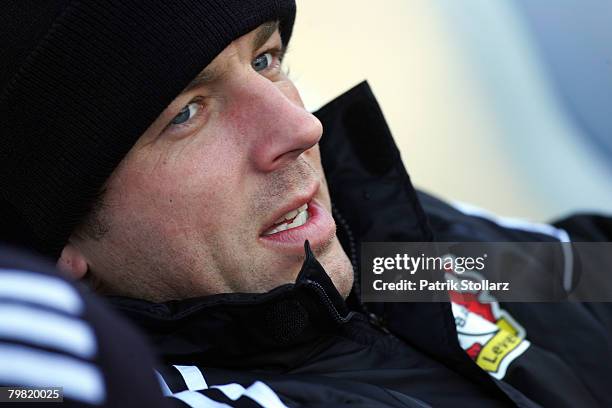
(378, 322)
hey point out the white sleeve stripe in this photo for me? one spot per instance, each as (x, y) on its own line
(258, 391)
(197, 400)
(36, 368)
(47, 329)
(193, 377)
(232, 391)
(515, 223)
(264, 396)
(162, 383)
(40, 289)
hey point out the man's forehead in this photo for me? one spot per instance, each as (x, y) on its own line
(212, 73)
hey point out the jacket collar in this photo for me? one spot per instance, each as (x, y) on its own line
(375, 201)
(242, 329)
(368, 182)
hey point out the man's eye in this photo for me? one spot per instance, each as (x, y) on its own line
(262, 62)
(188, 112)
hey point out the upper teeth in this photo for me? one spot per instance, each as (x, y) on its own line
(299, 217)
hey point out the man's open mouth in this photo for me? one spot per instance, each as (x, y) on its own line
(292, 219)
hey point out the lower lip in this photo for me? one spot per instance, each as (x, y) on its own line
(318, 230)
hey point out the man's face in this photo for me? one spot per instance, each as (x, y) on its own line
(195, 207)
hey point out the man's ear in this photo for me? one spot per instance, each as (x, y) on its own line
(72, 262)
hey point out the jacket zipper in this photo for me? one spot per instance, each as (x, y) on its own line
(373, 318)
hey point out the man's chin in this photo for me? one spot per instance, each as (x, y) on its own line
(337, 265)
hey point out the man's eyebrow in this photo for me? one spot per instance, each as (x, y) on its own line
(264, 32)
(209, 75)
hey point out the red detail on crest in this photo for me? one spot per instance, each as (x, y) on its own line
(470, 302)
(474, 350)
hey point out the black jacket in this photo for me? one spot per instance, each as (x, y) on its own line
(313, 349)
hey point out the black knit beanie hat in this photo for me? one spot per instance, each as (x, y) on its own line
(80, 81)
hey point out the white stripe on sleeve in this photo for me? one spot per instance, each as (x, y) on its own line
(36, 368)
(193, 377)
(232, 391)
(258, 392)
(47, 329)
(515, 223)
(197, 400)
(162, 384)
(264, 395)
(40, 289)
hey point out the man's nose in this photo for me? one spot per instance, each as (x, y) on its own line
(280, 128)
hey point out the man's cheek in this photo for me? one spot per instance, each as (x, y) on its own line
(313, 156)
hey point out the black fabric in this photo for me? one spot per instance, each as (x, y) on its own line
(81, 81)
(363, 166)
(587, 227)
(245, 324)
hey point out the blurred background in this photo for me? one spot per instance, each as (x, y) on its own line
(503, 104)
